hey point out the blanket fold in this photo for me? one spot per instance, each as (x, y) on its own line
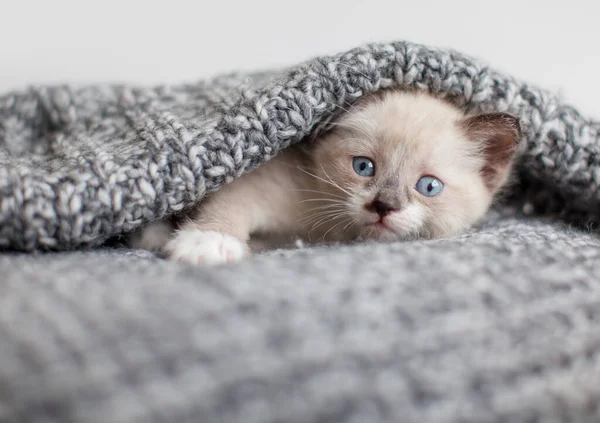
(78, 165)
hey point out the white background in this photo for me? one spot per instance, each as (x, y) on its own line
(555, 44)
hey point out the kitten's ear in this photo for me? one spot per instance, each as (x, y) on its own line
(498, 136)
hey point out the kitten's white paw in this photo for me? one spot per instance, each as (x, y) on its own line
(205, 247)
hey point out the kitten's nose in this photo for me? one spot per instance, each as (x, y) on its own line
(380, 207)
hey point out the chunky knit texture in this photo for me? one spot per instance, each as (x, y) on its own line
(80, 165)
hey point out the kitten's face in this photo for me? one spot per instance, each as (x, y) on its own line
(409, 166)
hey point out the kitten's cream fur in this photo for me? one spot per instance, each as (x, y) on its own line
(312, 191)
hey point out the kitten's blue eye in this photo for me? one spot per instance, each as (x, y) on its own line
(363, 166)
(429, 186)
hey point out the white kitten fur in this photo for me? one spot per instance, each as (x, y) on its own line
(311, 190)
(208, 247)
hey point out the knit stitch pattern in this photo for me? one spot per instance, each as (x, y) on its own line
(78, 165)
(497, 325)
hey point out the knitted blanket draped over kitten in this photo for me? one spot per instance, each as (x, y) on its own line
(80, 165)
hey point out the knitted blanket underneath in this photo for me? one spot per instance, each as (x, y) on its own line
(80, 165)
(498, 325)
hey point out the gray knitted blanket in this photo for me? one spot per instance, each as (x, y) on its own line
(497, 325)
(80, 165)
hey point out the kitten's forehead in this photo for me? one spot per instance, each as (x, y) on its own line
(406, 115)
(411, 127)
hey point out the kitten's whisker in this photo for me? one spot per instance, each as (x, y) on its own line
(333, 227)
(345, 228)
(333, 214)
(334, 207)
(350, 221)
(326, 174)
(330, 182)
(316, 217)
(324, 180)
(320, 192)
(329, 200)
(320, 214)
(334, 184)
(325, 220)
(326, 206)
(317, 177)
(319, 222)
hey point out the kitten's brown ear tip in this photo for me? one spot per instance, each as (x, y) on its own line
(512, 122)
(498, 135)
(496, 125)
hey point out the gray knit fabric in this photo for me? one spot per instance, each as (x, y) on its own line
(498, 325)
(79, 165)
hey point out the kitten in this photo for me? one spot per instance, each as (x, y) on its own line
(397, 166)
